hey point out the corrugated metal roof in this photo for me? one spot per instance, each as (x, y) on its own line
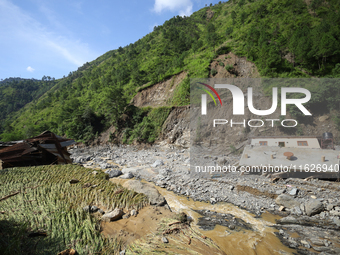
(46, 148)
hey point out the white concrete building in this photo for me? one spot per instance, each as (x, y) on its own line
(309, 142)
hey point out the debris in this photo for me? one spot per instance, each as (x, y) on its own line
(68, 252)
(169, 231)
(177, 222)
(11, 195)
(44, 149)
(183, 217)
(36, 234)
(282, 208)
(119, 191)
(73, 181)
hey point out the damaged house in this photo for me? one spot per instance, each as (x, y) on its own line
(44, 149)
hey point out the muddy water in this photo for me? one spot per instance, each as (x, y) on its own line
(261, 240)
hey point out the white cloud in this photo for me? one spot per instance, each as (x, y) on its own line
(183, 7)
(30, 69)
(20, 26)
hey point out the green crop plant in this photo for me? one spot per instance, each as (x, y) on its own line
(47, 203)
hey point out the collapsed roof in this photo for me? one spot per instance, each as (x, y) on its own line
(44, 149)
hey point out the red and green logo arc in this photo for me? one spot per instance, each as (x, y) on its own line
(209, 93)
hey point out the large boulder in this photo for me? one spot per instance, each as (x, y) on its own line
(116, 214)
(113, 173)
(147, 189)
(313, 207)
(287, 201)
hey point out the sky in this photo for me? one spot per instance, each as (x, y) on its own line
(55, 37)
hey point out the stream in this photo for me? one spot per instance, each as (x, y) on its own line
(260, 239)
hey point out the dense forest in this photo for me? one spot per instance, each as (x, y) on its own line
(97, 95)
(15, 93)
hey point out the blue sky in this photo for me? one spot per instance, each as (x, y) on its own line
(55, 37)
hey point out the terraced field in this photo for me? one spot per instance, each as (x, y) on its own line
(41, 212)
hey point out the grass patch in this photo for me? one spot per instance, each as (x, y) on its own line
(47, 203)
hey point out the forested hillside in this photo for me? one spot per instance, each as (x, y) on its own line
(15, 93)
(284, 38)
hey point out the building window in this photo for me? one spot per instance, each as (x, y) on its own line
(263, 143)
(302, 143)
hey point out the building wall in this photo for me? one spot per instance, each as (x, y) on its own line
(300, 142)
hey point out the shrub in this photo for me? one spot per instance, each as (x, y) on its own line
(229, 68)
(213, 72)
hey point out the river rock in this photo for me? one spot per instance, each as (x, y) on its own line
(158, 163)
(323, 118)
(336, 220)
(127, 176)
(94, 208)
(165, 172)
(147, 189)
(113, 173)
(313, 207)
(305, 244)
(297, 210)
(113, 215)
(317, 241)
(293, 192)
(288, 220)
(87, 208)
(286, 201)
(334, 213)
(330, 207)
(105, 165)
(280, 191)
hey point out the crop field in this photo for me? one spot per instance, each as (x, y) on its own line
(42, 213)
